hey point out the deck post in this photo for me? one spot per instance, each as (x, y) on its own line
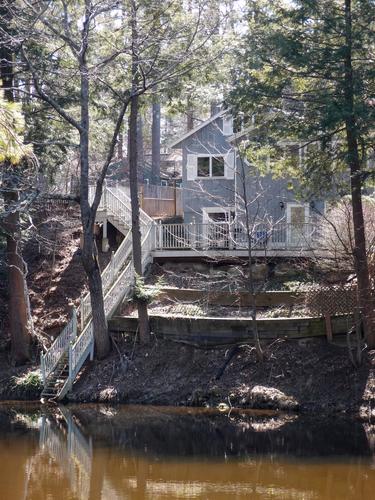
(82, 313)
(104, 195)
(42, 368)
(105, 243)
(70, 361)
(231, 234)
(174, 197)
(74, 323)
(160, 231)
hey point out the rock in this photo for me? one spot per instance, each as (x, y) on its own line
(262, 397)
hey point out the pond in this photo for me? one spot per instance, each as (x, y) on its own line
(136, 452)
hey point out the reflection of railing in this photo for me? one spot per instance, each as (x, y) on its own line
(225, 235)
(71, 450)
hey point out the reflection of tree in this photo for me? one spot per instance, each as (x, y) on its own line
(143, 452)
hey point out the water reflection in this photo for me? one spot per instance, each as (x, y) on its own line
(96, 452)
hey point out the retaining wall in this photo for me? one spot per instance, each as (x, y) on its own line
(216, 331)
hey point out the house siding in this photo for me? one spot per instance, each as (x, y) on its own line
(266, 192)
(198, 194)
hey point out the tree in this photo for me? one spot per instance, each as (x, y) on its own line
(306, 72)
(155, 141)
(85, 77)
(13, 156)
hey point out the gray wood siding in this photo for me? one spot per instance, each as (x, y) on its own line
(206, 192)
(266, 193)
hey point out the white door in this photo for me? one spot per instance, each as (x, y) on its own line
(217, 227)
(297, 224)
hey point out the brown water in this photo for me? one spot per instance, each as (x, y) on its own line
(97, 452)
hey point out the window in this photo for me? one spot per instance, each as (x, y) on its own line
(211, 166)
(207, 166)
(164, 183)
(217, 166)
(204, 166)
(218, 214)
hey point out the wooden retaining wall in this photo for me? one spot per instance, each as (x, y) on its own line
(217, 331)
(239, 299)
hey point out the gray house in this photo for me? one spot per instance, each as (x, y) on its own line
(217, 184)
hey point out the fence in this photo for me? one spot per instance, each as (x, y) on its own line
(161, 201)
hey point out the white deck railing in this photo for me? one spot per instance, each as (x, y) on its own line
(226, 236)
(118, 277)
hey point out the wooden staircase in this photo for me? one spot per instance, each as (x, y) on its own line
(62, 362)
(57, 379)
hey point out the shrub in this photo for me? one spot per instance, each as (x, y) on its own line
(29, 381)
(337, 234)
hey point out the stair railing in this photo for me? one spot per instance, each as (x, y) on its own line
(118, 280)
(50, 359)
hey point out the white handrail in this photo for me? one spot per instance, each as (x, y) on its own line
(117, 279)
(121, 288)
(50, 359)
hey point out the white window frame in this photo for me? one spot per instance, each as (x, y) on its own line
(164, 182)
(210, 156)
(290, 205)
(212, 210)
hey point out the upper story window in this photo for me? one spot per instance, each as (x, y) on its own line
(210, 166)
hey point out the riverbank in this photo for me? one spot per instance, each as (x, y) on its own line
(309, 376)
(306, 376)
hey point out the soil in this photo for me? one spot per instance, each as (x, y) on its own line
(165, 306)
(283, 275)
(307, 376)
(56, 280)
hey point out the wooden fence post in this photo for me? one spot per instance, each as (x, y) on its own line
(328, 323)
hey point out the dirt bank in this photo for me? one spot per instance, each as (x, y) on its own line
(308, 377)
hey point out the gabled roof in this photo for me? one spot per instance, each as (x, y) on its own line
(199, 127)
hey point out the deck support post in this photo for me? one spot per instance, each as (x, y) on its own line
(105, 243)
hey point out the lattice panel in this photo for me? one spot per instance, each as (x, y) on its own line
(331, 300)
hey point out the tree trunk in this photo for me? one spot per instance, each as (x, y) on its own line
(189, 115)
(366, 299)
(144, 330)
(143, 322)
(120, 146)
(19, 311)
(250, 282)
(20, 320)
(89, 252)
(155, 169)
(140, 155)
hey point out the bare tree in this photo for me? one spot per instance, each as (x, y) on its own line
(80, 69)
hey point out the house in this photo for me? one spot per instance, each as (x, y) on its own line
(217, 183)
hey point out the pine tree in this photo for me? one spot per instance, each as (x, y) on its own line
(306, 73)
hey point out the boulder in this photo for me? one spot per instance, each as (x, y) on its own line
(262, 397)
